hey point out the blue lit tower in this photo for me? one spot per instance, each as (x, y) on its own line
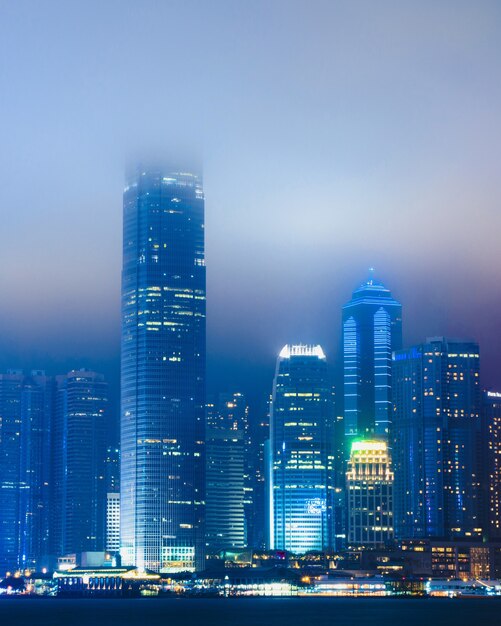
(163, 371)
(35, 470)
(436, 442)
(10, 484)
(26, 411)
(372, 330)
(301, 474)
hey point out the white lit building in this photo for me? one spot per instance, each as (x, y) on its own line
(370, 494)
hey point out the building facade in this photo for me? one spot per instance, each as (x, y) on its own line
(300, 464)
(369, 483)
(26, 413)
(372, 330)
(37, 409)
(436, 443)
(491, 458)
(10, 455)
(163, 372)
(227, 425)
(113, 522)
(79, 458)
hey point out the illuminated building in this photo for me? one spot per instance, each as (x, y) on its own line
(163, 372)
(369, 482)
(112, 522)
(25, 427)
(37, 406)
(436, 440)
(372, 330)
(79, 453)
(300, 445)
(256, 501)
(106, 582)
(491, 414)
(225, 457)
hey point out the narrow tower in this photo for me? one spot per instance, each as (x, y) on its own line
(372, 330)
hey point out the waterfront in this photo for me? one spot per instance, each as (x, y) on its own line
(250, 612)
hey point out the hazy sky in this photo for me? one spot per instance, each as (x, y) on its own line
(334, 136)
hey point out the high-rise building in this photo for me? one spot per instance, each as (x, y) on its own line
(37, 406)
(301, 475)
(225, 459)
(369, 483)
(10, 455)
(113, 522)
(372, 330)
(491, 440)
(26, 412)
(436, 440)
(163, 372)
(79, 454)
(256, 500)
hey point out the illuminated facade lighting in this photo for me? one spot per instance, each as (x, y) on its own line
(372, 330)
(369, 482)
(301, 471)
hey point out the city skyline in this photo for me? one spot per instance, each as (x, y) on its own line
(395, 168)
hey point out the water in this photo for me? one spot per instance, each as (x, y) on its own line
(250, 612)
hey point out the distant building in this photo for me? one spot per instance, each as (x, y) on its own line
(370, 494)
(256, 501)
(35, 471)
(491, 460)
(163, 372)
(26, 411)
(225, 473)
(11, 385)
(113, 522)
(372, 330)
(436, 442)
(80, 427)
(301, 472)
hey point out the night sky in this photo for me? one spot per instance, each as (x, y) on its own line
(334, 136)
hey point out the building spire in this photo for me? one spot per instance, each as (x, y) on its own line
(372, 272)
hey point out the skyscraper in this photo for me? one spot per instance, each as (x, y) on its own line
(491, 461)
(26, 412)
(163, 371)
(436, 443)
(10, 454)
(301, 472)
(79, 455)
(35, 472)
(225, 493)
(372, 330)
(370, 494)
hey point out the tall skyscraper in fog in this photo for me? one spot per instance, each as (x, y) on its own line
(436, 442)
(372, 330)
(163, 371)
(301, 447)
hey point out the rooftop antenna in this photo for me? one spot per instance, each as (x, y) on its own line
(371, 276)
